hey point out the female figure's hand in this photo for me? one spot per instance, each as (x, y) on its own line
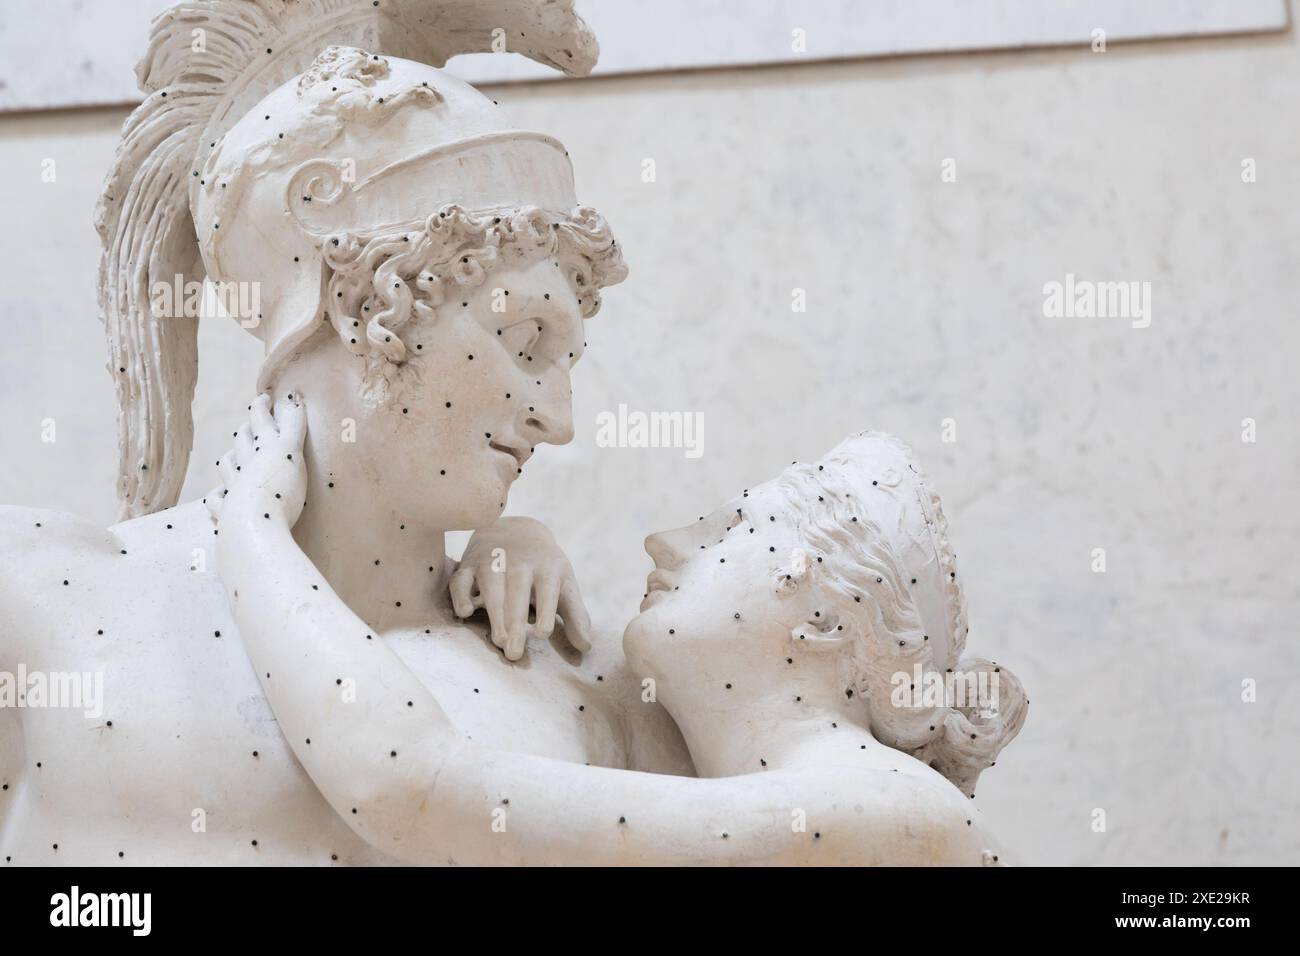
(264, 474)
(515, 564)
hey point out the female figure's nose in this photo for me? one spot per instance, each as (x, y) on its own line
(665, 547)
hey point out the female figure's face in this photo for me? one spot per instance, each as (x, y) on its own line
(720, 609)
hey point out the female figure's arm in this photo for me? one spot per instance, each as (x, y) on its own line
(384, 754)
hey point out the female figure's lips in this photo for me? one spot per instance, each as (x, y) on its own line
(652, 597)
(658, 585)
(659, 580)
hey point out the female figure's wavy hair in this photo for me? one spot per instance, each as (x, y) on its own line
(379, 283)
(868, 568)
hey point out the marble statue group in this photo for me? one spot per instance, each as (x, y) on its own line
(293, 670)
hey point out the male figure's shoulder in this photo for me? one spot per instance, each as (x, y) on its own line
(170, 535)
(39, 550)
(38, 542)
(52, 562)
(28, 531)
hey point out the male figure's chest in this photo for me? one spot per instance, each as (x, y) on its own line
(171, 753)
(544, 704)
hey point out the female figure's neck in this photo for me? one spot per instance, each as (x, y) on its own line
(769, 719)
(755, 741)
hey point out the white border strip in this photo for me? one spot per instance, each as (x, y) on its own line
(69, 53)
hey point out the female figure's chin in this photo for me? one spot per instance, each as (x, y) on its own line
(637, 638)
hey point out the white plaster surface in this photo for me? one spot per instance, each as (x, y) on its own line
(100, 41)
(924, 303)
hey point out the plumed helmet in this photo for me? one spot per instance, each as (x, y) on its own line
(358, 142)
(270, 125)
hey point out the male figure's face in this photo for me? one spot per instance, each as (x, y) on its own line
(488, 381)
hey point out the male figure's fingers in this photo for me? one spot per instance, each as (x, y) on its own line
(461, 587)
(492, 585)
(547, 596)
(577, 623)
(519, 590)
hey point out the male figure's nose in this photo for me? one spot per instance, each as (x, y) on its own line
(548, 418)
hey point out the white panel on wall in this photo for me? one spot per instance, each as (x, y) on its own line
(68, 53)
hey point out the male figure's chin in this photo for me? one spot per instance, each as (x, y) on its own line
(505, 480)
(484, 509)
(496, 493)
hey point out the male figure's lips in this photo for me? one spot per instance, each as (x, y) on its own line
(518, 454)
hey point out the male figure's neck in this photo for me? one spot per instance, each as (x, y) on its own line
(391, 573)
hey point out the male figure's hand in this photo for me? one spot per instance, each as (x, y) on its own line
(511, 566)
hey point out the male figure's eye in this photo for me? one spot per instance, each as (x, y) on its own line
(521, 337)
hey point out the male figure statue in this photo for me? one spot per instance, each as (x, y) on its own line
(424, 272)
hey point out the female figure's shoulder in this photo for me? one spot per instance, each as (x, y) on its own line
(894, 817)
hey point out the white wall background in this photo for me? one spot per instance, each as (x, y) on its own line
(101, 42)
(924, 303)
